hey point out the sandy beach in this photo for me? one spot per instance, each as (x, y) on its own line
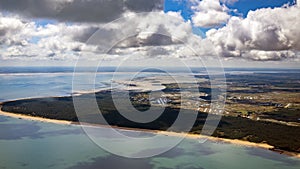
(166, 133)
(233, 141)
(32, 118)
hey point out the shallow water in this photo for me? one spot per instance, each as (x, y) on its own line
(36, 145)
(33, 145)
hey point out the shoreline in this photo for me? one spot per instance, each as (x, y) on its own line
(166, 133)
(33, 118)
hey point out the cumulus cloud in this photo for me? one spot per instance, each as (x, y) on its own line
(210, 13)
(152, 34)
(265, 34)
(152, 29)
(23, 38)
(79, 10)
(14, 31)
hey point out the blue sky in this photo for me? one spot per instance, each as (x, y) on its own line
(44, 22)
(243, 6)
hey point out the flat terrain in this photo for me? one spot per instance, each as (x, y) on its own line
(260, 108)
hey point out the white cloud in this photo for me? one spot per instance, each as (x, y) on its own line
(14, 31)
(158, 37)
(265, 34)
(161, 35)
(23, 38)
(210, 13)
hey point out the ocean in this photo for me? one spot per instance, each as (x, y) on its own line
(34, 145)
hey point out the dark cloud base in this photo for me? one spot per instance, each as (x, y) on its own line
(79, 10)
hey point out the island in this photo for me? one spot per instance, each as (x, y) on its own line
(260, 108)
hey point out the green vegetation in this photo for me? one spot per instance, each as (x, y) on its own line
(281, 136)
(256, 104)
(284, 114)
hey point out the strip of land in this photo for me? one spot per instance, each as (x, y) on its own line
(166, 133)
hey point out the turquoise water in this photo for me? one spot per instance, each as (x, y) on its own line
(35, 145)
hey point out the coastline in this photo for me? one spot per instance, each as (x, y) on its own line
(166, 133)
(33, 118)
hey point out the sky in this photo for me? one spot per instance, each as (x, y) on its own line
(237, 33)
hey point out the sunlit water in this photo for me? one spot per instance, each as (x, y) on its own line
(38, 145)
(36, 82)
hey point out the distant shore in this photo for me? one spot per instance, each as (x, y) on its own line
(167, 133)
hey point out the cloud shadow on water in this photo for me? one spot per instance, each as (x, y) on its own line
(285, 160)
(15, 130)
